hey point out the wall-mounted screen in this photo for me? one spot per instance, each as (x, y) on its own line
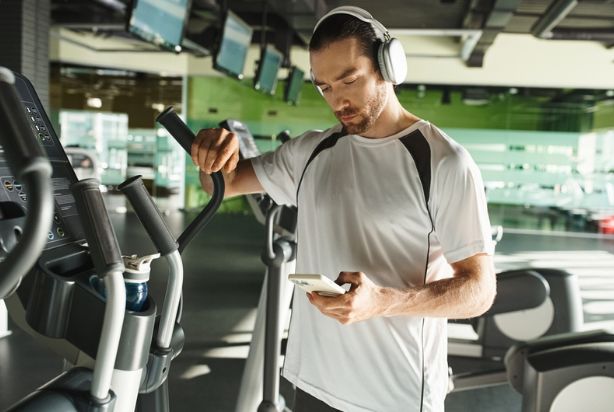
(235, 41)
(161, 22)
(294, 84)
(268, 66)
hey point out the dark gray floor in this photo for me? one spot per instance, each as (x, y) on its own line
(222, 285)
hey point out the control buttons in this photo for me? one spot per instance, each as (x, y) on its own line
(8, 185)
(44, 137)
(23, 196)
(50, 236)
(60, 232)
(56, 218)
(17, 185)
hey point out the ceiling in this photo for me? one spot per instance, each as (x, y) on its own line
(476, 23)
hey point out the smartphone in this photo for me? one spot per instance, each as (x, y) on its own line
(319, 284)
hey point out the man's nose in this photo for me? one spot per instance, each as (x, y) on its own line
(339, 102)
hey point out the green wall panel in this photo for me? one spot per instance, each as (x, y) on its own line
(211, 99)
(604, 115)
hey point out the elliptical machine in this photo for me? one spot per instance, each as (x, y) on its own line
(78, 388)
(58, 302)
(260, 382)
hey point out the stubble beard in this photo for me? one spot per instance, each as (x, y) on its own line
(369, 115)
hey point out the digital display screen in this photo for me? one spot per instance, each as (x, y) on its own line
(294, 84)
(266, 75)
(236, 38)
(160, 22)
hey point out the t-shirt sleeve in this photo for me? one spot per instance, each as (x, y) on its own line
(460, 209)
(277, 171)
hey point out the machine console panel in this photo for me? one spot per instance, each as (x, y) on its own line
(66, 227)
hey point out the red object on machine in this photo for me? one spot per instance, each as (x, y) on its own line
(606, 225)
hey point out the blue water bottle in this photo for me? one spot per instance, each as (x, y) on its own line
(136, 276)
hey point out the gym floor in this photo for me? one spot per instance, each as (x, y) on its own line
(223, 277)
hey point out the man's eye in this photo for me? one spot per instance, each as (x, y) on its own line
(324, 89)
(350, 81)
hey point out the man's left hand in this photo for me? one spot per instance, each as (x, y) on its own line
(363, 301)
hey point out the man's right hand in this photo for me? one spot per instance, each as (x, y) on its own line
(215, 150)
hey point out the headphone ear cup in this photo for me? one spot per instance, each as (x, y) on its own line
(382, 61)
(392, 61)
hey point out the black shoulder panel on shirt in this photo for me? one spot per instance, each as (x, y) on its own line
(420, 151)
(327, 143)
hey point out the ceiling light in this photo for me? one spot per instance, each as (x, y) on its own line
(94, 102)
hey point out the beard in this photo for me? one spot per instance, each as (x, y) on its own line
(364, 119)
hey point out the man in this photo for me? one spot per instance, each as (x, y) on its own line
(388, 204)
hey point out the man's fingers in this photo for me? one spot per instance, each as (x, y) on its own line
(201, 145)
(327, 303)
(195, 149)
(353, 278)
(232, 163)
(214, 150)
(226, 150)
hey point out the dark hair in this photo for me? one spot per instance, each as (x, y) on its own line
(342, 26)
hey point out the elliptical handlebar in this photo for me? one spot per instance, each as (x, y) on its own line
(148, 214)
(150, 217)
(97, 226)
(30, 165)
(109, 265)
(184, 136)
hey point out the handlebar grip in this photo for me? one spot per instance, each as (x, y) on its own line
(177, 128)
(182, 133)
(17, 139)
(98, 229)
(149, 215)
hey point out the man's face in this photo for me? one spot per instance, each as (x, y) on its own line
(351, 86)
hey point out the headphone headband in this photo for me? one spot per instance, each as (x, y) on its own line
(361, 14)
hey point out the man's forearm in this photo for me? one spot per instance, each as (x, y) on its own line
(456, 298)
(207, 183)
(240, 181)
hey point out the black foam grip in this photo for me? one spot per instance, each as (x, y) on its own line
(182, 133)
(99, 232)
(148, 214)
(16, 135)
(177, 128)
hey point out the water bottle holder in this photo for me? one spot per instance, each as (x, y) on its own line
(66, 305)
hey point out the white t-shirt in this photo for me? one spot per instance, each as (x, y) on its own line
(362, 207)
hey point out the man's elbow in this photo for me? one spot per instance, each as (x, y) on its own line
(487, 290)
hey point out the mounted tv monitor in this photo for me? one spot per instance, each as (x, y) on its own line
(235, 41)
(268, 66)
(161, 22)
(294, 84)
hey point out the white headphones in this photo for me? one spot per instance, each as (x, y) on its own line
(391, 58)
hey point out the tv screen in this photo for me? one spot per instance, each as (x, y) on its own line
(235, 41)
(268, 66)
(294, 84)
(161, 22)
